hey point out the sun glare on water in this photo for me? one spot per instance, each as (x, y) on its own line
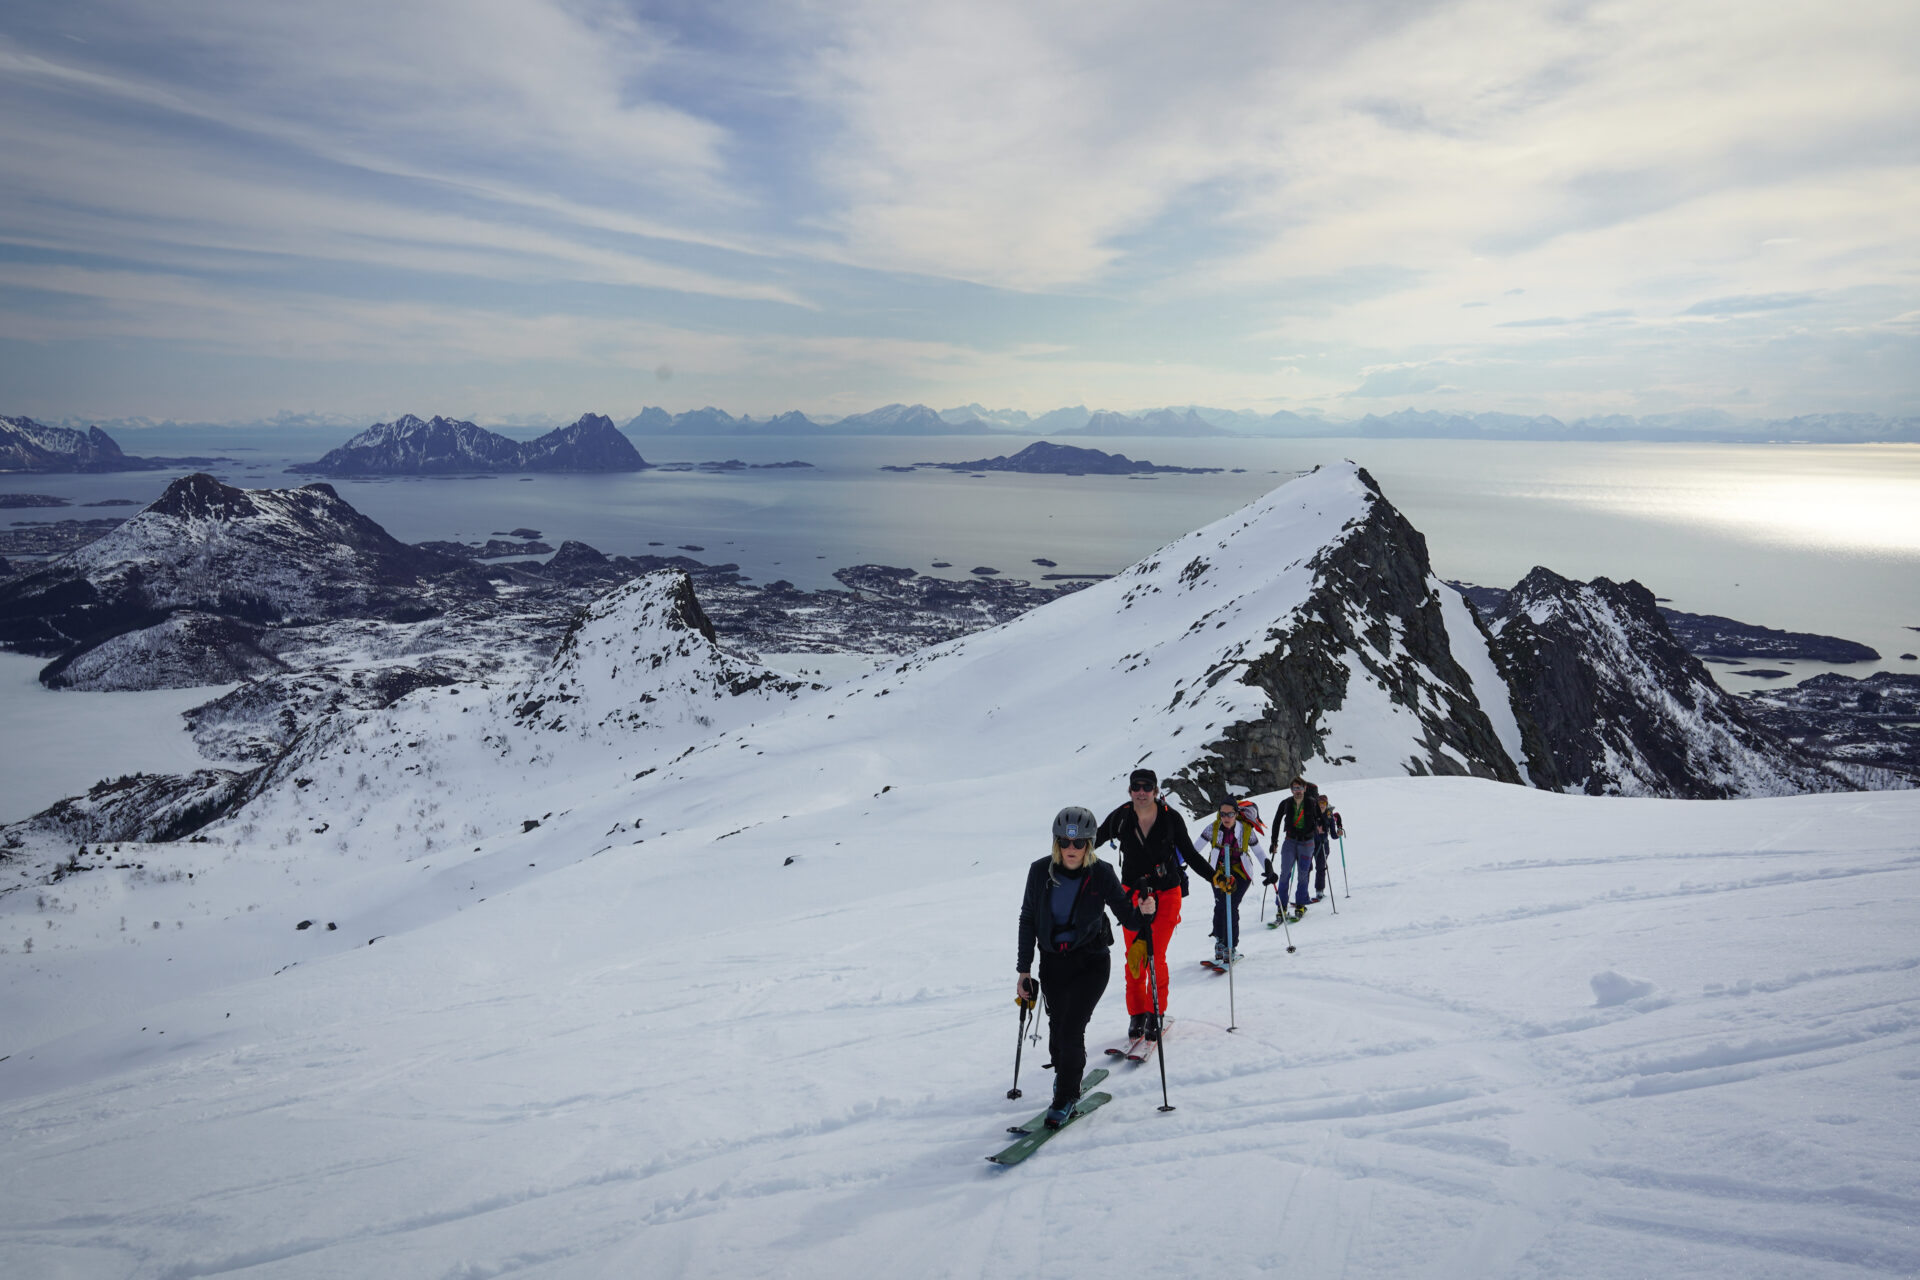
(1796, 501)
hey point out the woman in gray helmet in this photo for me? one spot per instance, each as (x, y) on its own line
(1064, 917)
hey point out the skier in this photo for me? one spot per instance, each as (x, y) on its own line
(1233, 838)
(1294, 827)
(1329, 830)
(1154, 852)
(1063, 916)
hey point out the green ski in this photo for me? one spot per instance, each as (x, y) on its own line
(1028, 1143)
(1087, 1082)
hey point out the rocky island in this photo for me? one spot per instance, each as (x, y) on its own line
(411, 446)
(1046, 459)
(26, 445)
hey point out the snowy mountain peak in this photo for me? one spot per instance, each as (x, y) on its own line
(644, 657)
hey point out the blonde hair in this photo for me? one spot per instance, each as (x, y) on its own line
(1093, 854)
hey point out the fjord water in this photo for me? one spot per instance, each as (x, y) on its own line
(1817, 538)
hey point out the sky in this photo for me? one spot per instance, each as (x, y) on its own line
(521, 210)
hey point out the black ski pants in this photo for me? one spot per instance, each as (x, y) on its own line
(1321, 848)
(1073, 982)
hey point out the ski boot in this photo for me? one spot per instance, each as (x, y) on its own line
(1060, 1112)
(1152, 1031)
(1136, 1026)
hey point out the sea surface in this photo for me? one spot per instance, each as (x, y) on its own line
(1822, 538)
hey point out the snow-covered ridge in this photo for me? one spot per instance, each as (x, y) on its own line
(1177, 663)
(638, 679)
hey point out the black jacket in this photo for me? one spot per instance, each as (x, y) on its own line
(1283, 823)
(1153, 861)
(1099, 892)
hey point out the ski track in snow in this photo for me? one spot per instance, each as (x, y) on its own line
(754, 1019)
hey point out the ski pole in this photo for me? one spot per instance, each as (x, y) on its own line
(1019, 1043)
(1232, 1017)
(1331, 900)
(1263, 902)
(1343, 864)
(1160, 1016)
(1280, 905)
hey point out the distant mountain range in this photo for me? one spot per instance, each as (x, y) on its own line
(1705, 426)
(440, 445)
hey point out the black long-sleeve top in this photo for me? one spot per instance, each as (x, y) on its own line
(1299, 819)
(1099, 892)
(1152, 861)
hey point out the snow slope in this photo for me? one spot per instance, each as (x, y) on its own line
(734, 999)
(685, 1058)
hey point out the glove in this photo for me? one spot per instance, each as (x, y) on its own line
(1267, 876)
(1136, 957)
(1223, 879)
(1027, 990)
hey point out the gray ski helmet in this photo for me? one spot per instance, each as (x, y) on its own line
(1075, 823)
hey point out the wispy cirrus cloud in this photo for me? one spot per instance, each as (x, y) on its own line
(1565, 207)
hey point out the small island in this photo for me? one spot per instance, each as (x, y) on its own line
(1046, 459)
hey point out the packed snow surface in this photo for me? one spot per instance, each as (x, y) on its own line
(1547, 1035)
(735, 998)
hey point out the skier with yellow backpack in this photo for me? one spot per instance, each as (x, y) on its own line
(1232, 842)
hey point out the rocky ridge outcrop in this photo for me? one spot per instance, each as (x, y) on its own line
(1370, 629)
(1611, 704)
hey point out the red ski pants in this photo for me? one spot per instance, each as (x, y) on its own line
(1166, 916)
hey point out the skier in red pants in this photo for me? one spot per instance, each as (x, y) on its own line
(1155, 850)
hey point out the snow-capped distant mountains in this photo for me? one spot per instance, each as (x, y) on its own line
(888, 420)
(34, 447)
(1201, 420)
(1159, 422)
(411, 446)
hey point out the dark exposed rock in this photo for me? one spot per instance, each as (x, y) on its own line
(144, 806)
(1613, 705)
(11, 501)
(1707, 635)
(1373, 603)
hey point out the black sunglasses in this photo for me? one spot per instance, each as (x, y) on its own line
(1075, 844)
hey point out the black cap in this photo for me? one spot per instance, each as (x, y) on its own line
(1143, 778)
